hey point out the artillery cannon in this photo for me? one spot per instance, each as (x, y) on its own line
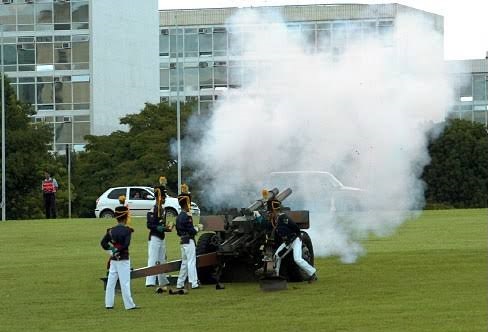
(244, 243)
(239, 245)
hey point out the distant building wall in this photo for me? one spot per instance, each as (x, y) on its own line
(124, 55)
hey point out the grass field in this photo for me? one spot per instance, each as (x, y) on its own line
(432, 275)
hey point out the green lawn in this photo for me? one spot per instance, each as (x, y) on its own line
(431, 275)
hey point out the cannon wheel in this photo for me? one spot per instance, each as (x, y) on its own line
(290, 270)
(206, 245)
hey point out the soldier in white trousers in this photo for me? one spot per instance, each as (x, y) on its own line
(117, 241)
(156, 248)
(186, 231)
(288, 232)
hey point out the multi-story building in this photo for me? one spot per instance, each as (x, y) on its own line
(82, 64)
(200, 56)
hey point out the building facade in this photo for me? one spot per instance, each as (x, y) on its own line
(200, 56)
(82, 64)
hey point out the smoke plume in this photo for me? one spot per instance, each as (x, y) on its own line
(360, 113)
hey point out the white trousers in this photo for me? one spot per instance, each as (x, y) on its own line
(156, 249)
(119, 270)
(188, 265)
(296, 247)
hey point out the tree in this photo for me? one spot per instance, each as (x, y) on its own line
(26, 157)
(458, 173)
(136, 157)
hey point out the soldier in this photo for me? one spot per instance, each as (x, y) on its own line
(288, 232)
(186, 231)
(156, 248)
(117, 241)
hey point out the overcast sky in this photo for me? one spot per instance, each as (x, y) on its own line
(465, 22)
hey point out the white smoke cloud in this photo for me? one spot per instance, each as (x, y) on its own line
(362, 115)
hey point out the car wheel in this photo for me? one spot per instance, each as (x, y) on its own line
(171, 213)
(107, 214)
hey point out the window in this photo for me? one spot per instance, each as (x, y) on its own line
(205, 70)
(45, 93)
(114, 194)
(323, 40)
(44, 53)
(385, 32)
(479, 87)
(465, 88)
(25, 14)
(220, 41)
(62, 12)
(191, 45)
(80, 51)
(164, 79)
(79, 11)
(81, 93)
(176, 77)
(205, 41)
(164, 42)
(176, 42)
(62, 91)
(27, 93)
(220, 73)
(44, 13)
(191, 78)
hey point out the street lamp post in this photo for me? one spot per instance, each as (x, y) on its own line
(69, 148)
(178, 112)
(4, 201)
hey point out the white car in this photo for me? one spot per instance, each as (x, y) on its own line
(139, 199)
(317, 191)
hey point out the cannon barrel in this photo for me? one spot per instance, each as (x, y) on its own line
(260, 203)
(284, 194)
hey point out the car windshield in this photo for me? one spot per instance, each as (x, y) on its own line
(306, 181)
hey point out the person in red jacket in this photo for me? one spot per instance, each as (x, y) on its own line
(49, 188)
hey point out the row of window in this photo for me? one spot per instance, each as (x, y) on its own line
(30, 56)
(218, 41)
(67, 130)
(43, 13)
(471, 87)
(55, 95)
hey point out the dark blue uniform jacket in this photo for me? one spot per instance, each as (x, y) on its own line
(286, 229)
(152, 224)
(184, 227)
(119, 236)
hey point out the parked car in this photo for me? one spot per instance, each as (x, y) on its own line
(139, 199)
(317, 191)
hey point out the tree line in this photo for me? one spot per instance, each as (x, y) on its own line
(457, 176)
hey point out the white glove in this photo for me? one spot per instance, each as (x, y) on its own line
(256, 214)
(199, 227)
